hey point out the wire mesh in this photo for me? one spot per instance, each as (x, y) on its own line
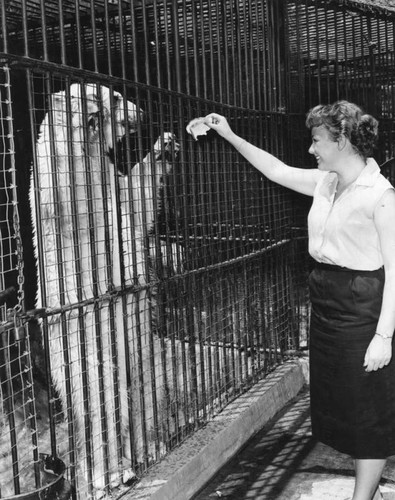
(18, 436)
(161, 276)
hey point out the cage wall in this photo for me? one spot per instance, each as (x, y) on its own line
(343, 50)
(157, 271)
(151, 278)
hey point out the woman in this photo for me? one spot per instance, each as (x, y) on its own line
(352, 288)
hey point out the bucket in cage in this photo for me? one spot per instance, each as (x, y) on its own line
(55, 486)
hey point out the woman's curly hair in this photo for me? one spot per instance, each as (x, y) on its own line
(344, 118)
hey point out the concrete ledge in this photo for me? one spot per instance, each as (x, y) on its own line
(190, 466)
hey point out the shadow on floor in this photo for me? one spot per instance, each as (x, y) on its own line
(283, 462)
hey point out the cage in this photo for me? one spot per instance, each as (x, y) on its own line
(148, 278)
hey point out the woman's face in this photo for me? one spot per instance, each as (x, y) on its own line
(324, 148)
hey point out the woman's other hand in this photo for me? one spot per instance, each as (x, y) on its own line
(378, 354)
(220, 124)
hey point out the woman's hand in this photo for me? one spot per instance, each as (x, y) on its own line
(220, 124)
(378, 353)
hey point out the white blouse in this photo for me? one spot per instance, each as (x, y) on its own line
(343, 232)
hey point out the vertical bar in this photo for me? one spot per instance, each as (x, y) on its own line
(220, 23)
(309, 51)
(79, 30)
(232, 55)
(244, 41)
(25, 29)
(176, 45)
(373, 80)
(4, 29)
(107, 37)
(211, 53)
(44, 30)
(186, 20)
(134, 33)
(201, 36)
(328, 28)
(94, 36)
(81, 318)
(272, 94)
(337, 75)
(40, 264)
(237, 60)
(318, 52)
(61, 32)
(346, 71)
(10, 410)
(195, 37)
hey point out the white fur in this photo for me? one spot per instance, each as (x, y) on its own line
(88, 342)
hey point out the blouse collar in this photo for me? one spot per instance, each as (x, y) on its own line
(367, 177)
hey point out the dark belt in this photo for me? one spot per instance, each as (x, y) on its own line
(334, 267)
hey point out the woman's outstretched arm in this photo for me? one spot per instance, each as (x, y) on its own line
(298, 179)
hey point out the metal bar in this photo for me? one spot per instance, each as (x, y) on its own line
(107, 37)
(168, 44)
(9, 405)
(25, 29)
(219, 61)
(44, 30)
(4, 28)
(211, 52)
(309, 63)
(186, 19)
(203, 62)
(237, 54)
(176, 45)
(94, 37)
(95, 291)
(225, 57)
(327, 54)
(40, 263)
(79, 30)
(62, 32)
(336, 62)
(318, 54)
(346, 71)
(73, 439)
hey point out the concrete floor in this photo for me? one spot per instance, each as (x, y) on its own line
(282, 462)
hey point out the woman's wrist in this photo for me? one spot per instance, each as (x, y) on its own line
(384, 336)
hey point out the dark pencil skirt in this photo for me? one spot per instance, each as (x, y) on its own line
(351, 410)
